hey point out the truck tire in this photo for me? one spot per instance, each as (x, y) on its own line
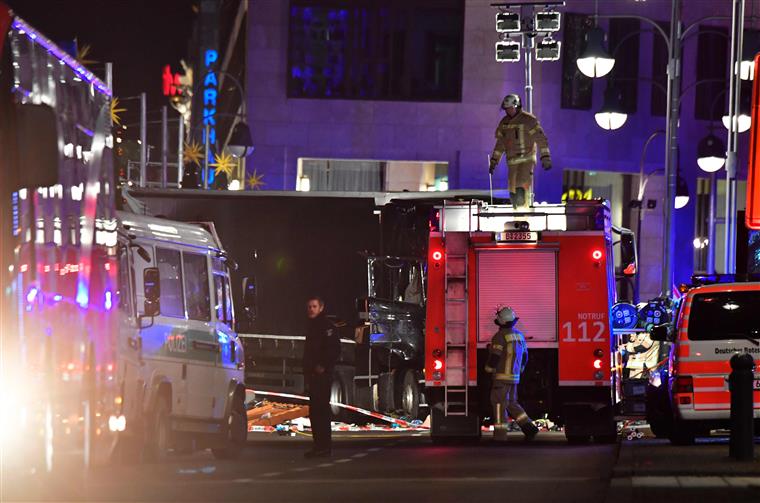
(159, 432)
(408, 394)
(385, 393)
(236, 434)
(339, 394)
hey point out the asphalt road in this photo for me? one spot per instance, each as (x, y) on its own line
(365, 467)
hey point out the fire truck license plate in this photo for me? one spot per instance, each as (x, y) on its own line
(518, 236)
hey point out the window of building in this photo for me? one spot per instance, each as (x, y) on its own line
(659, 102)
(196, 287)
(624, 46)
(376, 49)
(170, 280)
(354, 175)
(712, 54)
(576, 87)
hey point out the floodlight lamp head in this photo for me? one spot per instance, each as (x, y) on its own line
(507, 22)
(507, 51)
(547, 21)
(548, 49)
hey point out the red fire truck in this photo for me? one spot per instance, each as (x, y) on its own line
(554, 265)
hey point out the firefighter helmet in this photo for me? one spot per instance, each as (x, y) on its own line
(506, 316)
(511, 100)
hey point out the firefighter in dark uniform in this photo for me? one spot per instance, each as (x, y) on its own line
(321, 351)
(507, 358)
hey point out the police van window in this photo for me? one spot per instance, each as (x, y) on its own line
(724, 315)
(125, 286)
(196, 287)
(170, 276)
(222, 302)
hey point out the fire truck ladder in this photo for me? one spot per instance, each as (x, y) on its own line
(456, 324)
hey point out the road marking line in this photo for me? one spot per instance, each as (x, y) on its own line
(325, 465)
(344, 460)
(303, 469)
(270, 474)
(359, 455)
(374, 449)
(242, 481)
(687, 481)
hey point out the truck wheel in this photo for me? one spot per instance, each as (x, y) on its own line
(236, 434)
(385, 393)
(408, 394)
(339, 394)
(159, 434)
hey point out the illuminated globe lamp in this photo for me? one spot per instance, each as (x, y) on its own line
(240, 144)
(595, 61)
(682, 193)
(711, 153)
(611, 116)
(743, 121)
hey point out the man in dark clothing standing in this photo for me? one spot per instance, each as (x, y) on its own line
(320, 353)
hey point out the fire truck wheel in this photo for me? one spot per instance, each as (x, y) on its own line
(159, 434)
(408, 394)
(236, 435)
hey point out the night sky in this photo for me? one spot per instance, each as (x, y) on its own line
(138, 36)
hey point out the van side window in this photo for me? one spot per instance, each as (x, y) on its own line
(125, 284)
(219, 299)
(222, 299)
(196, 287)
(170, 274)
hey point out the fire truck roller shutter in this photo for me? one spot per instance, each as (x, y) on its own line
(524, 279)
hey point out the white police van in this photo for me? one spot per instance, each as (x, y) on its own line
(182, 361)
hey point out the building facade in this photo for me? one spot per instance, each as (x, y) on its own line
(400, 86)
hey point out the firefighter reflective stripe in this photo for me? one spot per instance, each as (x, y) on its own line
(521, 159)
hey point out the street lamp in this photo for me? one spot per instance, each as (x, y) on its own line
(743, 121)
(611, 116)
(711, 153)
(682, 193)
(595, 60)
(240, 144)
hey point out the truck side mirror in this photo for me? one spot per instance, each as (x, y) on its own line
(660, 333)
(152, 291)
(628, 258)
(249, 298)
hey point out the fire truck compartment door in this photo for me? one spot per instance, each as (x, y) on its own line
(525, 280)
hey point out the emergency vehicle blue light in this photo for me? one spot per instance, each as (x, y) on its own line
(624, 316)
(57, 297)
(31, 294)
(376, 337)
(108, 302)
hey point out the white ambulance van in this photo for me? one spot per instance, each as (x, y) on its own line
(182, 360)
(715, 321)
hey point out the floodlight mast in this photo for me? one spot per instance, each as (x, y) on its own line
(528, 32)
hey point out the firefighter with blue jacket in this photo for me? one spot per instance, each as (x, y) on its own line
(507, 358)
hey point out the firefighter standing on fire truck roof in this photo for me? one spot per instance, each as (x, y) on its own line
(507, 357)
(517, 135)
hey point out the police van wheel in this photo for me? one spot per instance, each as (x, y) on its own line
(159, 437)
(236, 434)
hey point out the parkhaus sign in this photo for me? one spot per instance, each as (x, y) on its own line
(210, 93)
